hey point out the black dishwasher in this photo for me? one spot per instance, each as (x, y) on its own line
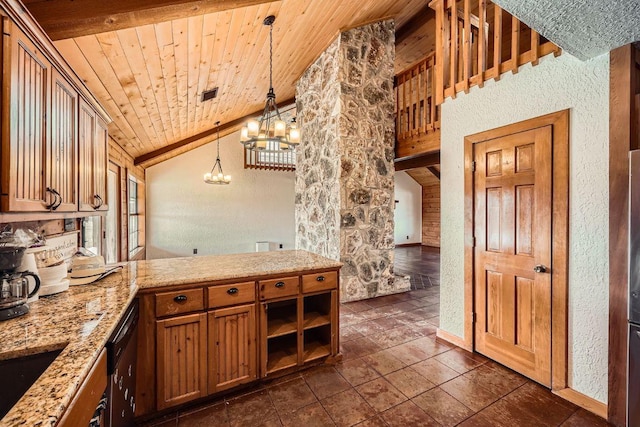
(121, 370)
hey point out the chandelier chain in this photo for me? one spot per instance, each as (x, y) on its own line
(271, 56)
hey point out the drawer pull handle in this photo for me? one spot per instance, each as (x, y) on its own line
(280, 285)
(232, 291)
(180, 298)
(320, 278)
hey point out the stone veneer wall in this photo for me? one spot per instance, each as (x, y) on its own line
(345, 172)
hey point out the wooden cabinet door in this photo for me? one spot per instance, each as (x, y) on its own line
(86, 137)
(232, 347)
(181, 368)
(100, 164)
(62, 147)
(26, 83)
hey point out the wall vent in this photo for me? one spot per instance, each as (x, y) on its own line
(209, 94)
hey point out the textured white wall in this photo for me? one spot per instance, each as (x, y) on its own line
(408, 212)
(185, 213)
(555, 84)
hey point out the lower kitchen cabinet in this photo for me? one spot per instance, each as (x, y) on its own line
(195, 341)
(232, 347)
(181, 359)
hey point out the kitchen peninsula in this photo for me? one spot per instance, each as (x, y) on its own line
(284, 302)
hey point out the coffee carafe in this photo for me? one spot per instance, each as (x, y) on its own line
(14, 286)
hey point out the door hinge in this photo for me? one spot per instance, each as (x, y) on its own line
(473, 317)
(473, 242)
(473, 166)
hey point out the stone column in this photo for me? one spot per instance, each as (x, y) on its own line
(344, 174)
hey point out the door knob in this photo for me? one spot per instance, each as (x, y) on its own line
(540, 269)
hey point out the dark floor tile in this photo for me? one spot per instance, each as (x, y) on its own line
(382, 301)
(583, 418)
(442, 407)
(435, 371)
(369, 327)
(409, 382)
(357, 371)
(471, 394)
(372, 422)
(349, 333)
(251, 409)
(457, 361)
(347, 408)
(500, 381)
(386, 323)
(361, 346)
(384, 361)
(479, 420)
(536, 400)
(214, 415)
(312, 415)
(435, 321)
(291, 395)
(380, 394)
(325, 381)
(505, 414)
(418, 350)
(424, 327)
(408, 414)
(357, 306)
(395, 336)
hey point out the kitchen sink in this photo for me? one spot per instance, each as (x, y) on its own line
(19, 374)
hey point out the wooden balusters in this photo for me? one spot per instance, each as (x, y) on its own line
(470, 35)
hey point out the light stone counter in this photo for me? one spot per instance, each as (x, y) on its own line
(81, 320)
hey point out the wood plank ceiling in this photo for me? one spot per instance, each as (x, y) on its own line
(424, 176)
(150, 77)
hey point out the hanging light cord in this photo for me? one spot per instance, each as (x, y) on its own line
(271, 56)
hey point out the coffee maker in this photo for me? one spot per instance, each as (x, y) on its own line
(14, 286)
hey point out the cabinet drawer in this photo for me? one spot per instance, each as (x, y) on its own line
(277, 288)
(178, 302)
(319, 281)
(232, 294)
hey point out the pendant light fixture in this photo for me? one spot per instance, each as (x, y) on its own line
(270, 133)
(216, 176)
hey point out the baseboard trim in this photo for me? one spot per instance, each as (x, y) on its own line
(405, 245)
(583, 401)
(452, 339)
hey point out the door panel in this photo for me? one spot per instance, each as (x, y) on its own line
(512, 195)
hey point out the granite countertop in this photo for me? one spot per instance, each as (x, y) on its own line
(81, 320)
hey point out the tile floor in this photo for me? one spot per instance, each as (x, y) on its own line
(394, 373)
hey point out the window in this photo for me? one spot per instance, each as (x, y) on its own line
(135, 217)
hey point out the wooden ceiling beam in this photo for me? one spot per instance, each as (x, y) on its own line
(63, 19)
(423, 160)
(434, 170)
(225, 129)
(414, 23)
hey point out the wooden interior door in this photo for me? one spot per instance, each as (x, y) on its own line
(513, 215)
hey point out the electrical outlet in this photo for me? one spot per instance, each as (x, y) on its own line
(195, 251)
(281, 246)
(407, 237)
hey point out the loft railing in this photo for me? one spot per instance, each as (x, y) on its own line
(486, 41)
(416, 110)
(270, 159)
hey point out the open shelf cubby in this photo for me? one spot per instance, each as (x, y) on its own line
(282, 353)
(317, 310)
(317, 343)
(282, 318)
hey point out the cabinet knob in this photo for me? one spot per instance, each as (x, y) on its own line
(232, 291)
(280, 285)
(180, 298)
(320, 278)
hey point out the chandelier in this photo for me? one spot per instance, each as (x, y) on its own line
(270, 133)
(216, 176)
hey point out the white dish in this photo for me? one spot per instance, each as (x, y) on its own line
(54, 289)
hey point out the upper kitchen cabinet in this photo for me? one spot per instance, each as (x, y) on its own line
(25, 90)
(93, 141)
(54, 134)
(62, 152)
